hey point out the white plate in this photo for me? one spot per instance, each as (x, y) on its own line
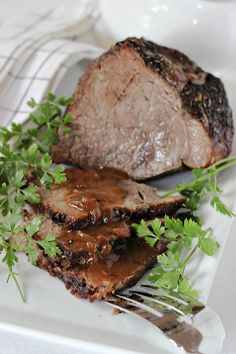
(51, 313)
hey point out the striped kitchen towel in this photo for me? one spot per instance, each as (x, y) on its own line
(38, 44)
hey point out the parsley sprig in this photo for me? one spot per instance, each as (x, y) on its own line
(205, 184)
(25, 153)
(183, 238)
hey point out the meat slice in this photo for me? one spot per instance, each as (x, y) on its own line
(87, 245)
(147, 110)
(95, 196)
(106, 276)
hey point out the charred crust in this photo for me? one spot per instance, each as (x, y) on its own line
(150, 212)
(209, 104)
(151, 56)
(172, 65)
(203, 95)
(121, 213)
(78, 286)
(57, 218)
(159, 210)
(70, 259)
(62, 219)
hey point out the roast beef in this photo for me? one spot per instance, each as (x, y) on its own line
(99, 196)
(108, 275)
(87, 245)
(147, 110)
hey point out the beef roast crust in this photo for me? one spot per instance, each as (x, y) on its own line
(203, 94)
(208, 102)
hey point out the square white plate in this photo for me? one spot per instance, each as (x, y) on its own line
(51, 313)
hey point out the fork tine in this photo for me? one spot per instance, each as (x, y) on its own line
(131, 301)
(154, 291)
(114, 302)
(150, 298)
(129, 308)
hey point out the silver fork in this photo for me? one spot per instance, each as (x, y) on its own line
(165, 311)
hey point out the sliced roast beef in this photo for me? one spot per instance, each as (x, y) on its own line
(106, 276)
(95, 196)
(147, 110)
(85, 246)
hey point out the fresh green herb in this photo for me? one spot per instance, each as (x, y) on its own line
(151, 235)
(205, 184)
(183, 239)
(184, 236)
(24, 154)
(49, 246)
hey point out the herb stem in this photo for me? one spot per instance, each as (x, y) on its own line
(227, 165)
(12, 274)
(223, 165)
(223, 161)
(189, 256)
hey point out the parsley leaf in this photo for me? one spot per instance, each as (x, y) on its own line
(33, 226)
(186, 291)
(217, 203)
(32, 252)
(183, 238)
(31, 195)
(49, 245)
(58, 175)
(205, 184)
(150, 236)
(208, 245)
